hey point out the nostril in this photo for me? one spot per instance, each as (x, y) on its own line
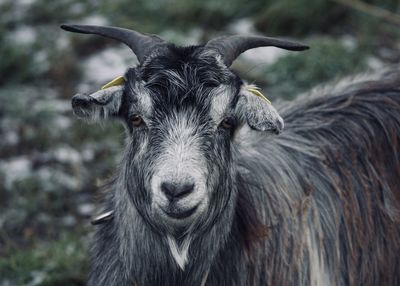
(185, 189)
(81, 100)
(279, 126)
(176, 190)
(168, 189)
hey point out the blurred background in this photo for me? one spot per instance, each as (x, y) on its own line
(51, 165)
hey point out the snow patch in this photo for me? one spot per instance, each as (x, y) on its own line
(11, 137)
(54, 105)
(41, 60)
(374, 63)
(191, 38)
(68, 220)
(67, 154)
(24, 35)
(243, 26)
(77, 8)
(95, 20)
(15, 169)
(38, 277)
(102, 67)
(349, 42)
(87, 154)
(86, 209)
(53, 180)
(62, 122)
(264, 55)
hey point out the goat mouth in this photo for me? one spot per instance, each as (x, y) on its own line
(181, 215)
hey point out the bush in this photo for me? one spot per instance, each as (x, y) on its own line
(327, 60)
(62, 262)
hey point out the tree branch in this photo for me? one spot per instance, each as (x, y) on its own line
(371, 10)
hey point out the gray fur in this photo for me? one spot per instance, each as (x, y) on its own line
(98, 105)
(259, 114)
(317, 205)
(320, 203)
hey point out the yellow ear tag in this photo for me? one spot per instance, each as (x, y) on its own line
(116, 81)
(256, 92)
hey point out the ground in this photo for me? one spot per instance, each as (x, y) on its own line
(52, 165)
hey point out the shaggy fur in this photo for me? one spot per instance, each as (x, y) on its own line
(327, 188)
(317, 205)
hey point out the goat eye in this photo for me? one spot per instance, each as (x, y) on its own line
(136, 120)
(228, 123)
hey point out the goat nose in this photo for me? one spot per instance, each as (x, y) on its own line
(175, 191)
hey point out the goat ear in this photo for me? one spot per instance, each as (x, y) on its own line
(258, 111)
(99, 105)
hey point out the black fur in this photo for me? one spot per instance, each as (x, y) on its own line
(317, 205)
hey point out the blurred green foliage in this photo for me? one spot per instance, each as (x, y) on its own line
(325, 61)
(155, 15)
(61, 161)
(16, 64)
(62, 262)
(304, 17)
(293, 17)
(284, 17)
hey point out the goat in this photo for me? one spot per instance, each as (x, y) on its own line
(207, 194)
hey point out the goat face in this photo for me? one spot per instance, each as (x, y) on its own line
(182, 146)
(182, 108)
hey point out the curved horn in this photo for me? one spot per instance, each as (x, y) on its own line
(231, 47)
(142, 45)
